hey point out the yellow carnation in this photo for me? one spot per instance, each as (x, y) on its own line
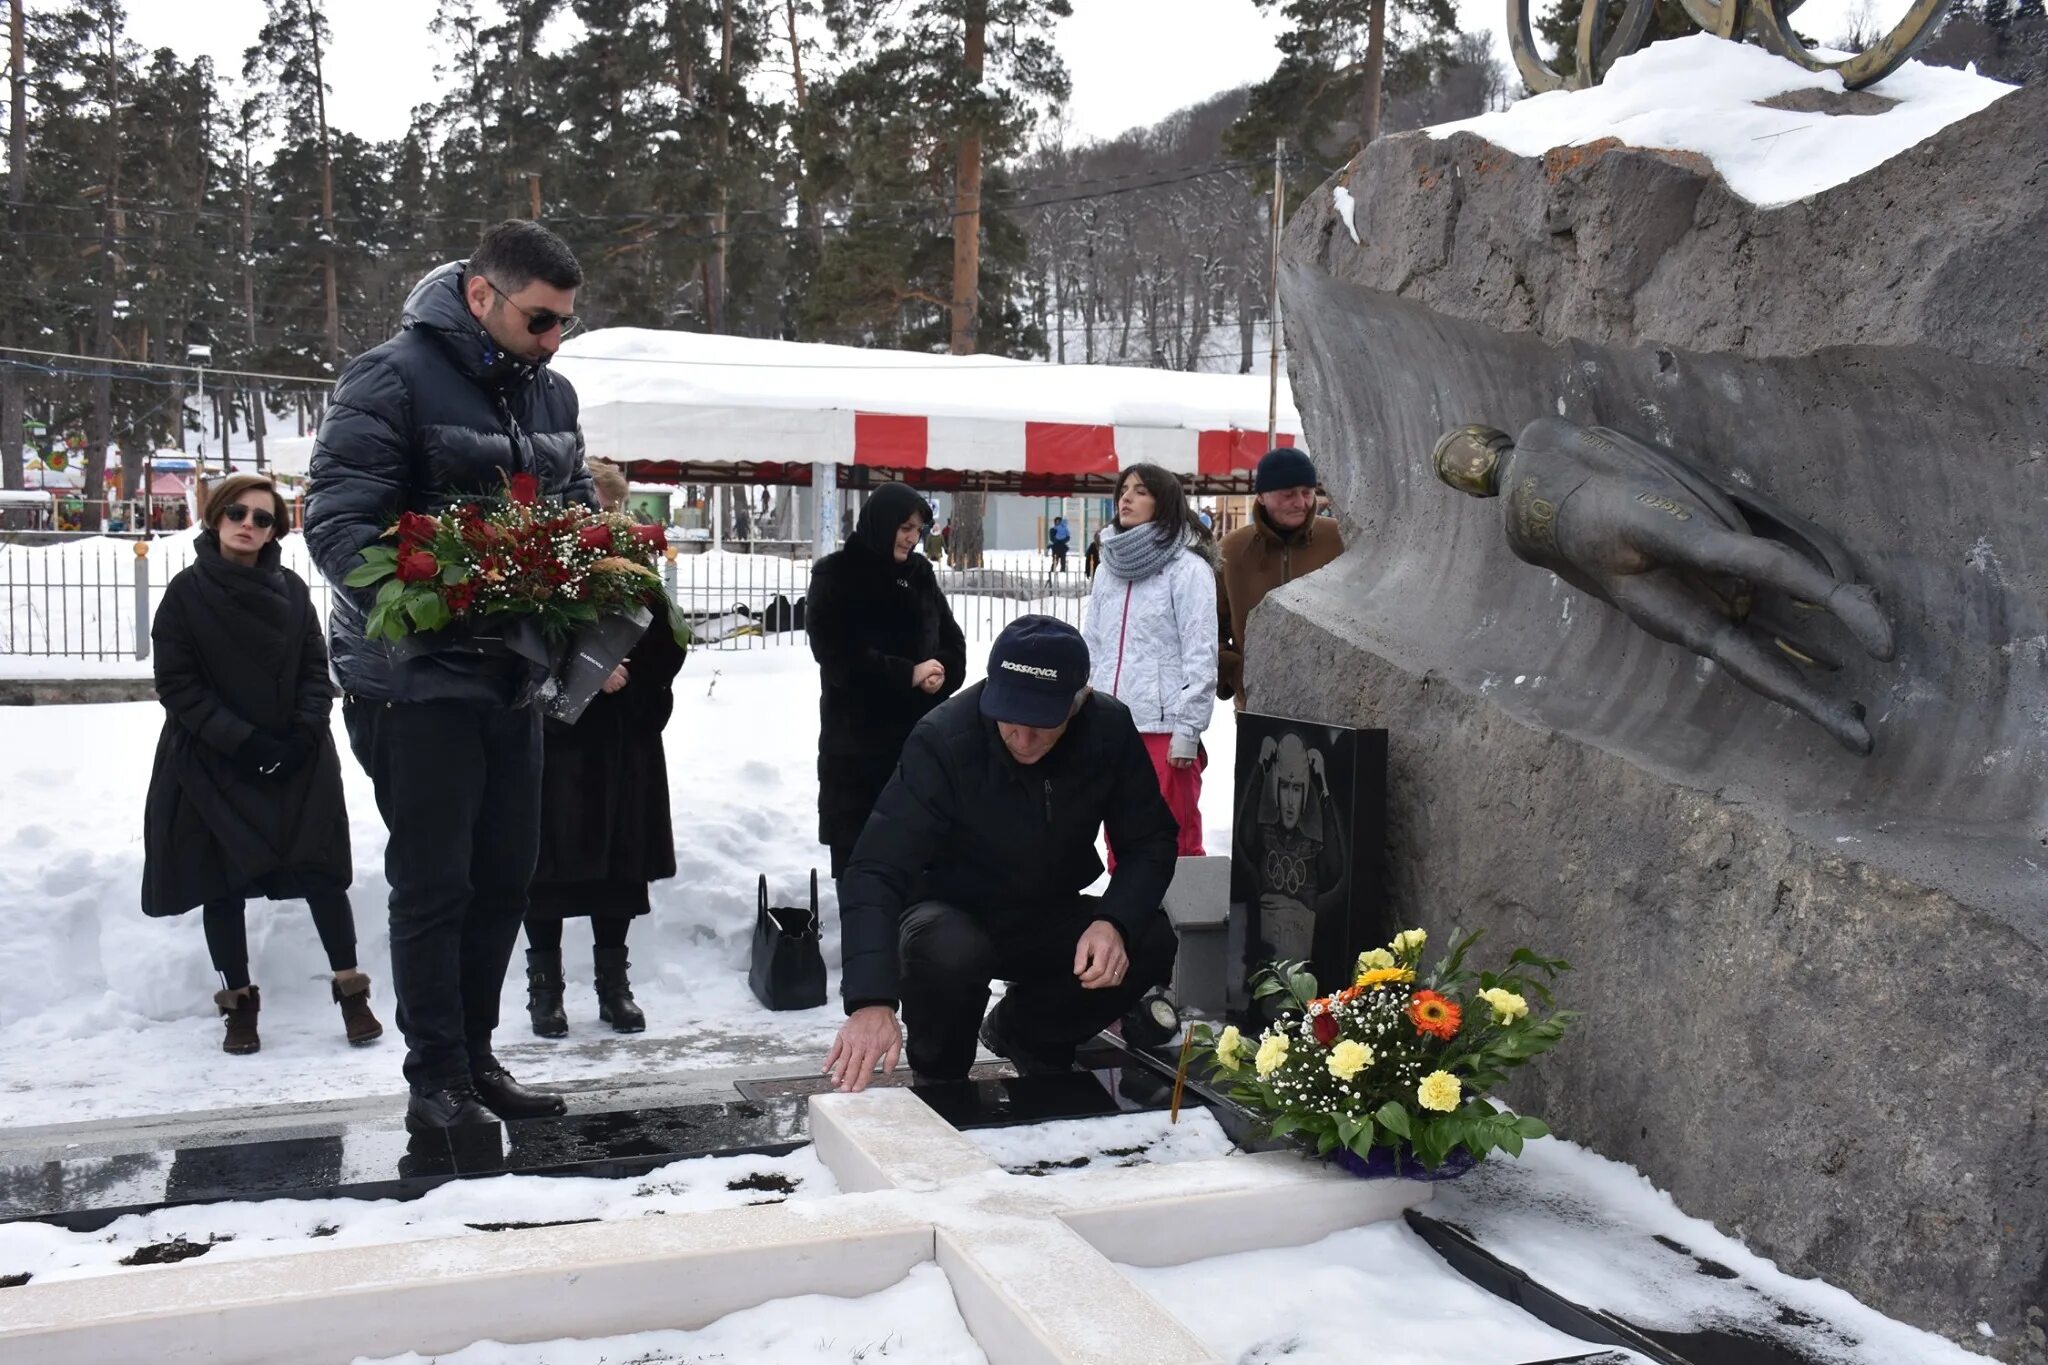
(1228, 1047)
(1409, 942)
(1272, 1053)
(1349, 1058)
(1373, 960)
(1439, 1091)
(1507, 1006)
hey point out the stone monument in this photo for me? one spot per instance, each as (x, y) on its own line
(1814, 981)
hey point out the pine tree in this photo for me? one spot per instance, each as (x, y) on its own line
(1339, 61)
(14, 302)
(287, 64)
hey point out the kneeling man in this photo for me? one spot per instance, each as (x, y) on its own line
(972, 866)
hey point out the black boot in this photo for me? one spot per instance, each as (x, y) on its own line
(544, 993)
(615, 1005)
(1027, 1063)
(508, 1099)
(448, 1106)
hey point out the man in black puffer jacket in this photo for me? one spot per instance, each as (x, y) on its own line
(973, 865)
(453, 407)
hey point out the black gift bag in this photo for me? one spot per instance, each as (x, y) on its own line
(595, 649)
(788, 970)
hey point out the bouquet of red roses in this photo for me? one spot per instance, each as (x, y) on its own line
(563, 565)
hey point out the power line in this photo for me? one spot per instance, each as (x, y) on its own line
(991, 198)
(166, 365)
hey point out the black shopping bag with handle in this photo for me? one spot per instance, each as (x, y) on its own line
(788, 970)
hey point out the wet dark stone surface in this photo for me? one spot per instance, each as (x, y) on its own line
(381, 1161)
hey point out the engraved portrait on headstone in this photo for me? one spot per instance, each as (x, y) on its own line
(1305, 866)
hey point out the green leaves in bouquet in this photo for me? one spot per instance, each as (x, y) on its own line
(379, 563)
(1286, 977)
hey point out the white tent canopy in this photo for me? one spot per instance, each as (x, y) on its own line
(688, 399)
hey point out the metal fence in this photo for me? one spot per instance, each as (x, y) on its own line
(92, 598)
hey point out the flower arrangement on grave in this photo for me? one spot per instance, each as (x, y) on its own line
(1402, 1059)
(561, 564)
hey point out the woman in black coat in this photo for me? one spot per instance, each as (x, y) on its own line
(888, 651)
(245, 798)
(604, 828)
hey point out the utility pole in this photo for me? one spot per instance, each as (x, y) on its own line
(1273, 297)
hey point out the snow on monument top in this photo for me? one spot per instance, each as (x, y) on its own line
(1704, 94)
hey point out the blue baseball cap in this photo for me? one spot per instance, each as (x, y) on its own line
(1038, 665)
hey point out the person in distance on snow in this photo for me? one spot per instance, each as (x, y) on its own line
(1151, 632)
(888, 651)
(245, 798)
(605, 830)
(973, 865)
(456, 405)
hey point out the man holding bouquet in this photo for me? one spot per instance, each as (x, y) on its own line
(458, 406)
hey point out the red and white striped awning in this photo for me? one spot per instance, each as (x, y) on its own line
(693, 401)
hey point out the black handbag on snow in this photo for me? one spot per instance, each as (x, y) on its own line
(788, 969)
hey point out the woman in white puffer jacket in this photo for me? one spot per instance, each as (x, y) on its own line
(1151, 633)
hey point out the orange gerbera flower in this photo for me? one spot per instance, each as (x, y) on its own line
(1434, 1015)
(1349, 994)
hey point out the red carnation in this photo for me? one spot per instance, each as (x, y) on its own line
(523, 488)
(417, 567)
(653, 537)
(415, 530)
(596, 536)
(1326, 1030)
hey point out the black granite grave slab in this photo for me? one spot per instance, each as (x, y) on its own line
(381, 1161)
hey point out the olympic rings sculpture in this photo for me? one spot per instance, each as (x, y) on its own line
(1766, 20)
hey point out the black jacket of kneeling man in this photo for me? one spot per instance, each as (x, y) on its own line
(964, 823)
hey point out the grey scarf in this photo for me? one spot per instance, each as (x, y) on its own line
(1138, 553)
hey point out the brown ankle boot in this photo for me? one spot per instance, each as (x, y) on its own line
(239, 1009)
(354, 999)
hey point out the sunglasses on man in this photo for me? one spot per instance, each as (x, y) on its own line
(239, 513)
(539, 321)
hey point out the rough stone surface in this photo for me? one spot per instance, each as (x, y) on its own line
(1813, 982)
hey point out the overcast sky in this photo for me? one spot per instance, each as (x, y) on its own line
(1132, 61)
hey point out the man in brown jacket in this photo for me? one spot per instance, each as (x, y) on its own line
(1284, 540)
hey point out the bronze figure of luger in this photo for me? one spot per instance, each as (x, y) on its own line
(1689, 556)
(1767, 21)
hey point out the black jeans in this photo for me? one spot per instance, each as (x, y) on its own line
(950, 955)
(227, 934)
(458, 786)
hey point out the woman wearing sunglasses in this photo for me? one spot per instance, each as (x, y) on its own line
(245, 799)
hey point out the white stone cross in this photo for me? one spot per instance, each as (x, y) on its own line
(1030, 1261)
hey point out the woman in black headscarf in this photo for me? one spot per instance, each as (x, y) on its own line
(888, 651)
(605, 831)
(245, 798)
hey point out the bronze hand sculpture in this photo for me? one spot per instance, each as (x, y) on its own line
(1673, 548)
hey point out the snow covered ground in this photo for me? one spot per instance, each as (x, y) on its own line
(109, 1013)
(1147, 1139)
(1599, 1233)
(237, 1230)
(914, 1321)
(1703, 94)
